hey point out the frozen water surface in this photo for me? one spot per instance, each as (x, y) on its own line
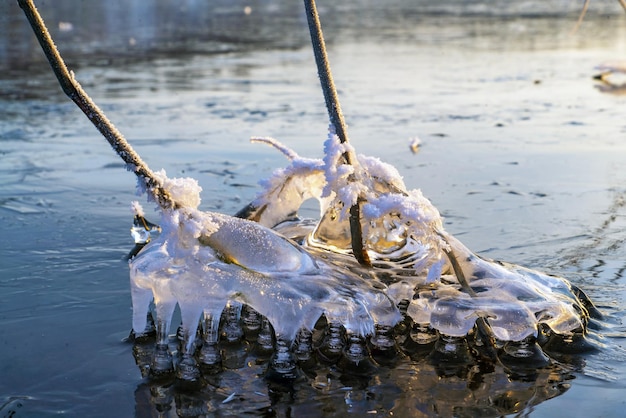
(521, 151)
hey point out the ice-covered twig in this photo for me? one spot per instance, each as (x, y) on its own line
(458, 272)
(336, 120)
(289, 153)
(326, 77)
(74, 91)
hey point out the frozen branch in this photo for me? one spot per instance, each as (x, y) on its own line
(74, 91)
(336, 119)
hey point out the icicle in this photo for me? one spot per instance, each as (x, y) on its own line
(282, 365)
(162, 364)
(303, 348)
(451, 355)
(231, 330)
(251, 322)
(231, 337)
(265, 339)
(383, 345)
(333, 342)
(209, 355)
(355, 358)
(188, 372)
(523, 356)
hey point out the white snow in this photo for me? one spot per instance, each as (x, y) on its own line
(184, 191)
(137, 208)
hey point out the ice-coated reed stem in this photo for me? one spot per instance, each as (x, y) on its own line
(481, 323)
(75, 92)
(325, 75)
(337, 121)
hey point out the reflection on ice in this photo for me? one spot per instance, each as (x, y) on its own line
(302, 292)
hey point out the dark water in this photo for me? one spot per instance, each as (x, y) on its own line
(522, 153)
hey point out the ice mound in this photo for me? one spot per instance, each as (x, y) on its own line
(294, 273)
(202, 260)
(447, 286)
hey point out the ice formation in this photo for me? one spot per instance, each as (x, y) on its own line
(411, 252)
(293, 273)
(297, 282)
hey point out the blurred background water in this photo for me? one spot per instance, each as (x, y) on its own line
(522, 152)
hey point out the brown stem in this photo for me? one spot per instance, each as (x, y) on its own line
(582, 16)
(458, 272)
(336, 119)
(75, 92)
(356, 236)
(481, 323)
(454, 262)
(325, 75)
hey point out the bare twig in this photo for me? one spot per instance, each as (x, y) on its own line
(582, 16)
(458, 272)
(74, 91)
(584, 12)
(481, 323)
(337, 120)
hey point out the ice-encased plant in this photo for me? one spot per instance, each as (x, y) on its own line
(294, 272)
(413, 255)
(409, 272)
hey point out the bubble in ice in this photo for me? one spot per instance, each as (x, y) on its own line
(295, 273)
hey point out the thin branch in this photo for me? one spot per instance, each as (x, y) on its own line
(582, 16)
(74, 91)
(458, 272)
(481, 323)
(326, 77)
(584, 12)
(356, 236)
(337, 120)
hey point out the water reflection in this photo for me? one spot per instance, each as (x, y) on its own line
(138, 30)
(420, 383)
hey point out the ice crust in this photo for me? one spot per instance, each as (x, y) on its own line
(202, 260)
(292, 272)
